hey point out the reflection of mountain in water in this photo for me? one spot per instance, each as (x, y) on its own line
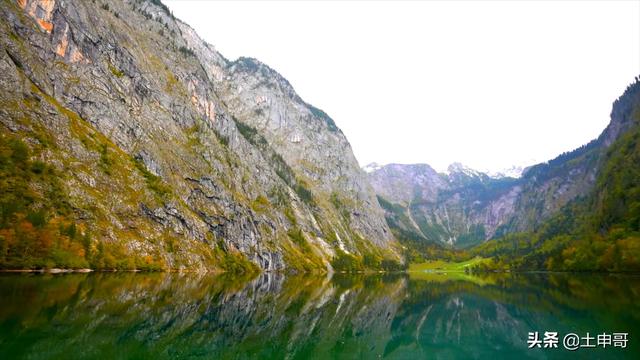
(458, 319)
(273, 316)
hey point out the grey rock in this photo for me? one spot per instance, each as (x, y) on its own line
(132, 84)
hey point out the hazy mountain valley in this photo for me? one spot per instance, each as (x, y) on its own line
(578, 211)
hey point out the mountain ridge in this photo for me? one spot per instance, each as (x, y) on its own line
(598, 231)
(166, 154)
(477, 207)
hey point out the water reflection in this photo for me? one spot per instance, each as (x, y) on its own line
(276, 316)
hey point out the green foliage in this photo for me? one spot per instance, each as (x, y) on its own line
(224, 140)
(399, 222)
(392, 265)
(447, 266)
(278, 196)
(163, 7)
(247, 64)
(391, 207)
(106, 162)
(331, 125)
(260, 204)
(296, 235)
(475, 235)
(418, 246)
(186, 51)
(114, 256)
(235, 262)
(618, 201)
(340, 206)
(345, 262)
(154, 182)
(374, 262)
(288, 212)
(304, 193)
(114, 70)
(38, 167)
(35, 231)
(38, 219)
(71, 231)
(250, 133)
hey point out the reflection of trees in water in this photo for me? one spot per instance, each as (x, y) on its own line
(191, 315)
(272, 315)
(468, 320)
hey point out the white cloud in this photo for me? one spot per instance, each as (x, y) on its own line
(488, 84)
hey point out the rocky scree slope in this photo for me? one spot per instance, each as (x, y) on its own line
(128, 142)
(466, 207)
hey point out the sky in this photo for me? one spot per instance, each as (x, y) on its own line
(487, 84)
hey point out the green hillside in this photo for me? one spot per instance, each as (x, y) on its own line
(600, 231)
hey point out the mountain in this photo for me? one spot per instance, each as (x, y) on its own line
(514, 171)
(460, 208)
(599, 230)
(129, 142)
(371, 167)
(464, 207)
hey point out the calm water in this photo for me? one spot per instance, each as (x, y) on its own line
(159, 316)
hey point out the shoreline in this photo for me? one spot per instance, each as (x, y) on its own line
(57, 271)
(86, 271)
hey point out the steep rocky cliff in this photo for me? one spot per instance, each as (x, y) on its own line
(165, 154)
(467, 207)
(461, 208)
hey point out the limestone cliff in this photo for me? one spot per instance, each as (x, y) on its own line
(168, 154)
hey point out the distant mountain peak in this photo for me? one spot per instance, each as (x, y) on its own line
(514, 171)
(371, 167)
(459, 168)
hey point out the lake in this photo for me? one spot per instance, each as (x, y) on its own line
(275, 316)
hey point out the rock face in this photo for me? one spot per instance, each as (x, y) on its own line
(466, 207)
(168, 150)
(462, 208)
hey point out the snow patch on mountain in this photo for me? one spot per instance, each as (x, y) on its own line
(514, 171)
(372, 167)
(458, 168)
